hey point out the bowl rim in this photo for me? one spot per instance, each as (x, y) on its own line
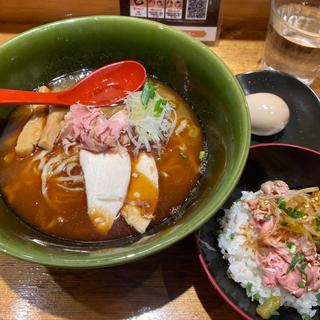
(153, 246)
(283, 74)
(212, 280)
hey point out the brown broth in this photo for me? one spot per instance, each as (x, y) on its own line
(65, 215)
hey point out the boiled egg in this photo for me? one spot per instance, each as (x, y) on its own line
(269, 113)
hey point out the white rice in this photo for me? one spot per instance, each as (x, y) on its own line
(243, 267)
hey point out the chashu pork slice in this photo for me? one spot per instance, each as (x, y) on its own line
(107, 176)
(30, 134)
(143, 193)
(32, 131)
(53, 127)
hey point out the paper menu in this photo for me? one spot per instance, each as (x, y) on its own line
(199, 18)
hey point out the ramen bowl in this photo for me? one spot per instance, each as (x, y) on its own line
(189, 67)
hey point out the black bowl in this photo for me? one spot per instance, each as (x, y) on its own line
(299, 167)
(304, 105)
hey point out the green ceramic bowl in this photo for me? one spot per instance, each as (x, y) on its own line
(39, 55)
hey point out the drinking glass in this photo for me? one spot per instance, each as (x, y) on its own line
(293, 39)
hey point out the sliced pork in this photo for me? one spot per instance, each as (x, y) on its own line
(53, 127)
(30, 134)
(91, 130)
(32, 131)
(287, 258)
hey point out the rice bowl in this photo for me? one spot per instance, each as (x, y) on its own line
(243, 266)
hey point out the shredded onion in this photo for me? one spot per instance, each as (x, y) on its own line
(305, 201)
(149, 130)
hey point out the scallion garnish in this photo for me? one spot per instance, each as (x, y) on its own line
(148, 92)
(293, 213)
(302, 268)
(248, 287)
(148, 129)
(318, 298)
(202, 155)
(183, 155)
(266, 217)
(317, 242)
(290, 244)
(301, 284)
(158, 108)
(292, 247)
(297, 258)
(256, 296)
(231, 236)
(305, 317)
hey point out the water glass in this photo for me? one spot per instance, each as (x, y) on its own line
(293, 39)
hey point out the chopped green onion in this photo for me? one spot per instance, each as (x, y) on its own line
(183, 155)
(317, 224)
(202, 155)
(281, 204)
(158, 108)
(297, 258)
(248, 287)
(266, 217)
(305, 317)
(317, 242)
(256, 296)
(301, 284)
(232, 236)
(295, 214)
(292, 247)
(318, 298)
(275, 313)
(290, 244)
(302, 268)
(293, 250)
(148, 92)
(146, 130)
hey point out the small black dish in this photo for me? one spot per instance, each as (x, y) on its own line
(299, 167)
(304, 105)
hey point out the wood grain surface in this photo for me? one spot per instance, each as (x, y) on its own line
(169, 285)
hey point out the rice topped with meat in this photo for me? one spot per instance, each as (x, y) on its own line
(271, 239)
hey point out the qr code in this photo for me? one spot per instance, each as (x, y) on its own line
(197, 9)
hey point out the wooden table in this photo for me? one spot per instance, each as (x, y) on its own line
(169, 285)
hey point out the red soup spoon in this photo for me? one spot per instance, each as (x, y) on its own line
(105, 86)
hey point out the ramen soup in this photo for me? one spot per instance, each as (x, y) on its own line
(89, 174)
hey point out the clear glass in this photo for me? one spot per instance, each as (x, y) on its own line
(293, 39)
